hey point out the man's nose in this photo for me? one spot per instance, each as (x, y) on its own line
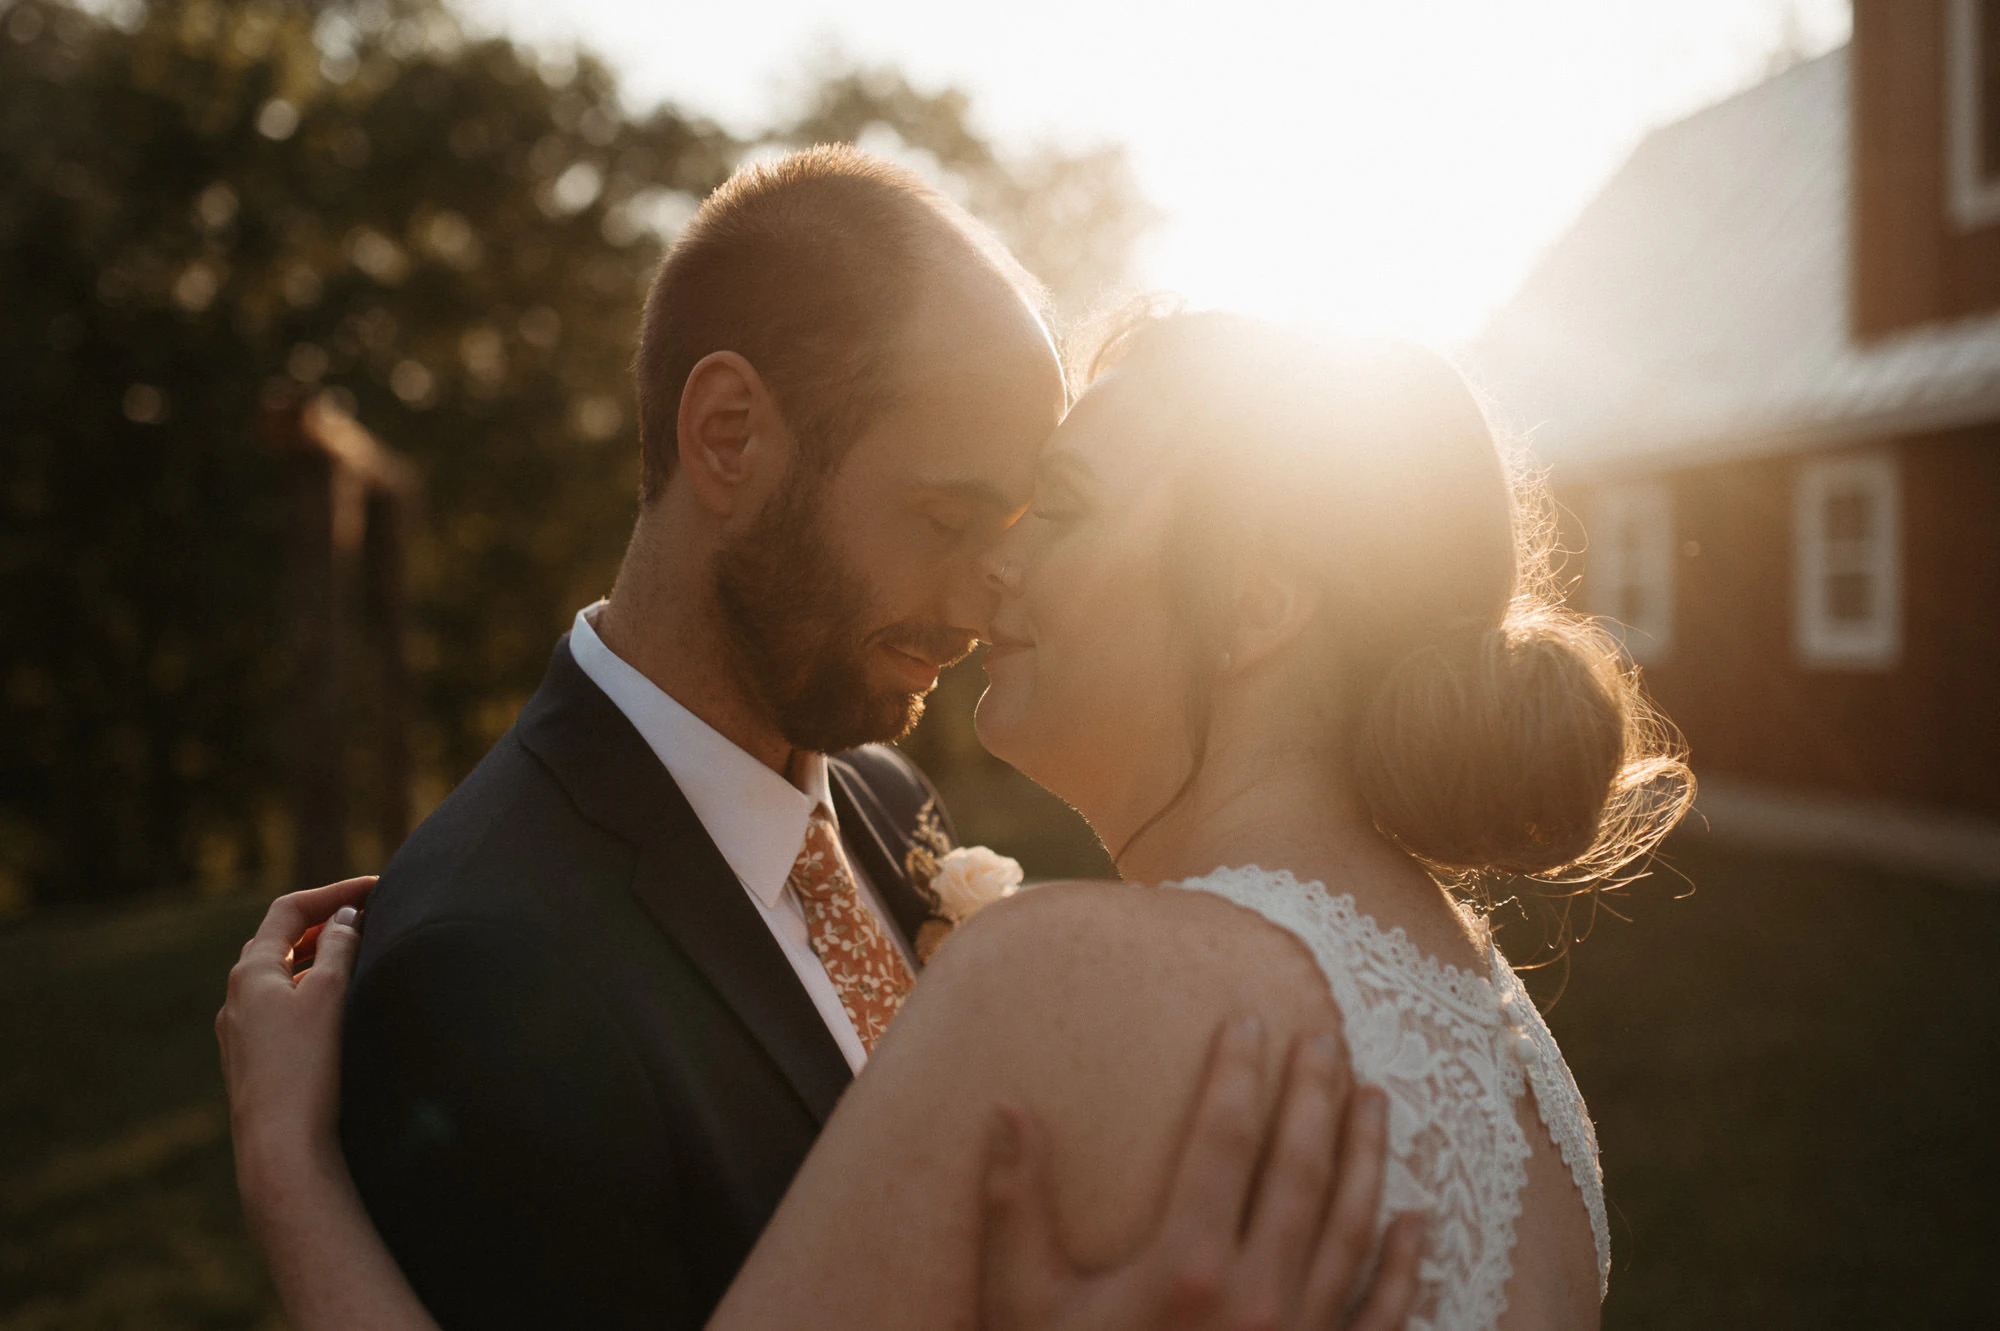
(993, 575)
(1001, 563)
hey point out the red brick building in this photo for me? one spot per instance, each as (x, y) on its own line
(1764, 370)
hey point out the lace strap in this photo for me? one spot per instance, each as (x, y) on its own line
(1559, 1103)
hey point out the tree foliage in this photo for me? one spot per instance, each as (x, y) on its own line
(206, 204)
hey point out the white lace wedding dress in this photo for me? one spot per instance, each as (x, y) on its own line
(1453, 1050)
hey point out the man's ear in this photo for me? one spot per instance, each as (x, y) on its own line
(1273, 607)
(731, 442)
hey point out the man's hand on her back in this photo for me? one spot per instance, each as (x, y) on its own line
(1251, 1237)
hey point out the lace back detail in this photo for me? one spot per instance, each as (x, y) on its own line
(1560, 1105)
(1453, 1050)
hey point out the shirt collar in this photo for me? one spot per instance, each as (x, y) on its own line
(756, 817)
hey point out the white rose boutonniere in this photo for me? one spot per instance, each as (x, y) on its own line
(971, 878)
(957, 881)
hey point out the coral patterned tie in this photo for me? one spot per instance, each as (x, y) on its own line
(867, 970)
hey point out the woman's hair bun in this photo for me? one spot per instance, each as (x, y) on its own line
(1523, 749)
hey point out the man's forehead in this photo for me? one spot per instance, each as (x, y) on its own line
(981, 390)
(976, 447)
(978, 313)
(973, 390)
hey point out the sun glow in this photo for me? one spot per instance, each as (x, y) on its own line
(1380, 167)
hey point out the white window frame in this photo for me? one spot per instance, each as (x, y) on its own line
(1824, 641)
(1973, 199)
(1631, 527)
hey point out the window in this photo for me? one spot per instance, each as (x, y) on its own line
(1849, 592)
(1630, 574)
(1972, 134)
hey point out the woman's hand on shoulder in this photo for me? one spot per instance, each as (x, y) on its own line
(280, 1037)
(1269, 1225)
(279, 1031)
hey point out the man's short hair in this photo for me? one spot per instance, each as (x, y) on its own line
(805, 265)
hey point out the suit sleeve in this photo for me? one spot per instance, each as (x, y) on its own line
(506, 1139)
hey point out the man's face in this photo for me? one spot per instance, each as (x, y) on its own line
(850, 591)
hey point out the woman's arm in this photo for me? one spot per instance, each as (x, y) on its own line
(280, 1038)
(1299, 1259)
(1090, 1008)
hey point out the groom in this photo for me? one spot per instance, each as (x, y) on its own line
(610, 991)
(597, 1018)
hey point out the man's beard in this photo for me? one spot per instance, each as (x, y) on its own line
(795, 621)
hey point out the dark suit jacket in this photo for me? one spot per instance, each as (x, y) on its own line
(578, 1071)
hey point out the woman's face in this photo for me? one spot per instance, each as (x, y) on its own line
(1087, 695)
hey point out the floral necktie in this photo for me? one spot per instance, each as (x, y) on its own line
(867, 970)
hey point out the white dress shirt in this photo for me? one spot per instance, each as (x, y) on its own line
(756, 817)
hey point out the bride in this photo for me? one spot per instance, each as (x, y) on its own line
(1279, 624)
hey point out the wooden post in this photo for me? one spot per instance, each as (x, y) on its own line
(351, 499)
(388, 515)
(319, 785)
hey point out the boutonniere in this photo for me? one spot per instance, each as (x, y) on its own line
(970, 879)
(959, 881)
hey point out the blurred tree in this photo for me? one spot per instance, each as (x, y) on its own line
(207, 204)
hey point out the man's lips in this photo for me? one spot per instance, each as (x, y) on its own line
(918, 673)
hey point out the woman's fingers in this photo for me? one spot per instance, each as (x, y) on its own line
(1217, 1166)
(339, 939)
(1293, 1184)
(292, 914)
(1394, 1291)
(1022, 1268)
(1348, 1237)
(267, 957)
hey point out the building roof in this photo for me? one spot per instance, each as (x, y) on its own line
(1698, 308)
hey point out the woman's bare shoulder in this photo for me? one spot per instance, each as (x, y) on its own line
(1122, 949)
(1096, 1004)
(1109, 919)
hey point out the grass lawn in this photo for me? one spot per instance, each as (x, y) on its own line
(1793, 1071)
(117, 1197)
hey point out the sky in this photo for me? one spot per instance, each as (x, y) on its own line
(1378, 165)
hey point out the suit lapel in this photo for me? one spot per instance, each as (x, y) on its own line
(683, 882)
(862, 824)
(703, 908)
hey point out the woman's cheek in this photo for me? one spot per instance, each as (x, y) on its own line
(1044, 692)
(1090, 668)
